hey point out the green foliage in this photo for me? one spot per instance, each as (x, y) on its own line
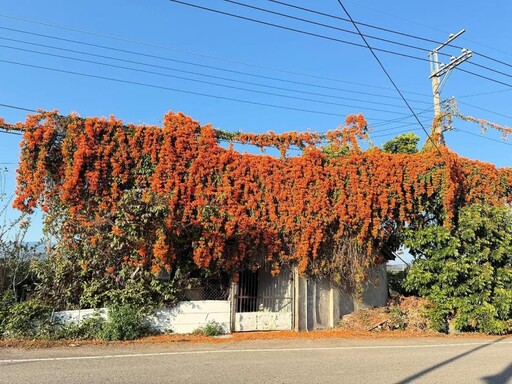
(87, 329)
(467, 271)
(405, 143)
(397, 318)
(16, 254)
(29, 319)
(125, 322)
(80, 274)
(396, 283)
(7, 301)
(333, 153)
(212, 328)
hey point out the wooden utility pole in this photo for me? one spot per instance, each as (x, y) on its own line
(438, 74)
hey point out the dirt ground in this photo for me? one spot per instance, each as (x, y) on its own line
(241, 336)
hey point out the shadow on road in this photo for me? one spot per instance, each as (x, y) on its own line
(416, 376)
(503, 377)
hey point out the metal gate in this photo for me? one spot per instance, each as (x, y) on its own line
(264, 302)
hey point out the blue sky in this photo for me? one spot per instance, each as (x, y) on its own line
(335, 79)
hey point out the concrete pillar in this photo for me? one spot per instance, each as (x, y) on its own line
(334, 298)
(233, 294)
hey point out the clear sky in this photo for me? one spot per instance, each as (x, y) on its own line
(324, 80)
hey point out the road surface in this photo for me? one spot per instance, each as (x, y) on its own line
(422, 360)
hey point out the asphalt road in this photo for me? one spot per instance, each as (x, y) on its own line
(437, 360)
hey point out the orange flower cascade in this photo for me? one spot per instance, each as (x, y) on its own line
(239, 205)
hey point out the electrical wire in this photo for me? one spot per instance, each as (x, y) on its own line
(484, 77)
(357, 22)
(183, 62)
(489, 69)
(409, 35)
(124, 81)
(36, 22)
(329, 26)
(389, 77)
(187, 72)
(484, 109)
(482, 137)
(395, 133)
(8, 132)
(201, 81)
(296, 30)
(317, 35)
(18, 108)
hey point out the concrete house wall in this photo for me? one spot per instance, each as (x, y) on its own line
(320, 304)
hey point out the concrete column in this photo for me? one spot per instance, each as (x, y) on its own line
(334, 296)
(296, 298)
(233, 294)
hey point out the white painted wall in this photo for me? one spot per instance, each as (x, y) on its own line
(76, 316)
(185, 317)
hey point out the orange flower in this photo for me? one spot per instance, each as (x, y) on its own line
(117, 231)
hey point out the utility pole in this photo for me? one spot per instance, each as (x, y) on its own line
(438, 74)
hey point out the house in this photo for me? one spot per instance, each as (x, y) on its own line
(259, 301)
(289, 301)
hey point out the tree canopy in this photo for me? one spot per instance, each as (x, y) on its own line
(466, 271)
(404, 143)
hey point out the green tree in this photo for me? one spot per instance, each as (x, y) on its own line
(404, 143)
(16, 254)
(467, 271)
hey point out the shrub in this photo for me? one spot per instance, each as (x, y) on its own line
(212, 328)
(7, 300)
(89, 328)
(125, 322)
(29, 319)
(397, 318)
(466, 271)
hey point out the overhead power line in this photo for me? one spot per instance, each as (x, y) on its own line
(232, 61)
(327, 26)
(16, 107)
(484, 109)
(484, 77)
(355, 33)
(295, 30)
(154, 86)
(8, 132)
(114, 49)
(357, 22)
(289, 16)
(391, 121)
(482, 137)
(395, 133)
(389, 76)
(245, 18)
(181, 71)
(393, 31)
(201, 81)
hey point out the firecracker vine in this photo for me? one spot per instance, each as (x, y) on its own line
(233, 210)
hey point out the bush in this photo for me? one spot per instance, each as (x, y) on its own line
(397, 318)
(212, 328)
(87, 329)
(7, 301)
(466, 271)
(29, 319)
(396, 283)
(125, 322)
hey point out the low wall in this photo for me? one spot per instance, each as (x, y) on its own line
(185, 317)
